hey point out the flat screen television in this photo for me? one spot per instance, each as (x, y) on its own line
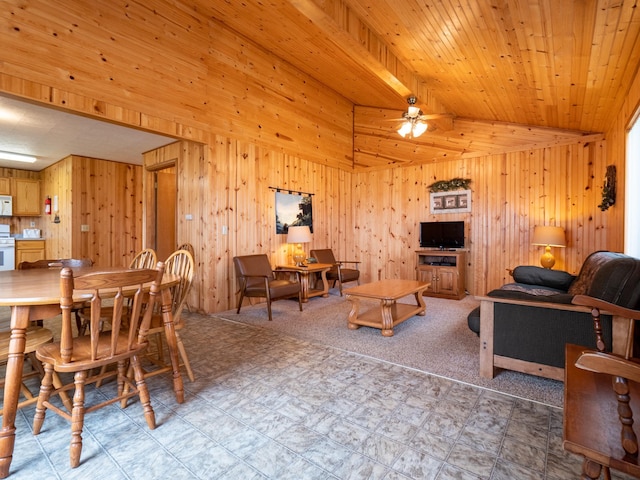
(442, 235)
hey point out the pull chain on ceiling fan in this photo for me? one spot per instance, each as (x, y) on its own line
(414, 124)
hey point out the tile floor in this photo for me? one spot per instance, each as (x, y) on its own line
(266, 406)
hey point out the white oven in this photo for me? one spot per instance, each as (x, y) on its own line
(7, 249)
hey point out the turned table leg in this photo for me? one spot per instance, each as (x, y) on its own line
(387, 317)
(353, 314)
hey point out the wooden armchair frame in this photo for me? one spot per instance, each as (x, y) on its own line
(338, 273)
(257, 279)
(602, 390)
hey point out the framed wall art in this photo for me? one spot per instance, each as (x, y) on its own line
(293, 209)
(456, 201)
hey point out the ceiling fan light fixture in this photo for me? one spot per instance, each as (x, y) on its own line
(419, 128)
(413, 111)
(405, 129)
(413, 126)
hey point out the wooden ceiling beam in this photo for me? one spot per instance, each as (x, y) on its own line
(335, 22)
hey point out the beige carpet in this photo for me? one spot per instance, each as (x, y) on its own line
(439, 343)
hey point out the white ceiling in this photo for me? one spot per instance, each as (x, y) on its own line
(51, 135)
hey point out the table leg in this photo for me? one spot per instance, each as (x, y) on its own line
(13, 380)
(387, 317)
(325, 283)
(304, 286)
(353, 314)
(172, 344)
(420, 303)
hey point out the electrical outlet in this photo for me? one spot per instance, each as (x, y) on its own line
(33, 224)
(84, 228)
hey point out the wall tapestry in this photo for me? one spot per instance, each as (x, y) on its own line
(458, 201)
(293, 209)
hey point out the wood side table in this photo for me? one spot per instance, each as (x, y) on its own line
(309, 288)
(390, 312)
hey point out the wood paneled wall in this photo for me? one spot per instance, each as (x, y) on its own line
(511, 193)
(107, 197)
(264, 124)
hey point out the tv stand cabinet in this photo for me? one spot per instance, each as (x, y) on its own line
(444, 269)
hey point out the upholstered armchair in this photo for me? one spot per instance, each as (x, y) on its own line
(337, 273)
(256, 279)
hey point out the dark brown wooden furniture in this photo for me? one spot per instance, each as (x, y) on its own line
(338, 273)
(80, 355)
(602, 390)
(256, 279)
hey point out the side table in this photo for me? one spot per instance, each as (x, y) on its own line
(309, 288)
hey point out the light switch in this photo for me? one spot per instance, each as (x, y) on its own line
(84, 228)
(188, 216)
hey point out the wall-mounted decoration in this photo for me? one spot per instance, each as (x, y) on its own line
(292, 209)
(449, 185)
(450, 202)
(609, 189)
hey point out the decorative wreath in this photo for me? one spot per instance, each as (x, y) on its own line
(609, 189)
(448, 185)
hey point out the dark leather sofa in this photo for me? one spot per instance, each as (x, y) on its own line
(525, 325)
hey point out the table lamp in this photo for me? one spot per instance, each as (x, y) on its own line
(299, 235)
(548, 237)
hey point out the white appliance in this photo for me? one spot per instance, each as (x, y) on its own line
(6, 205)
(7, 249)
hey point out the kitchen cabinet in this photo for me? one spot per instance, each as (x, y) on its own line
(29, 251)
(445, 271)
(26, 197)
(5, 186)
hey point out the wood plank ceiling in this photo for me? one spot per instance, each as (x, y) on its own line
(510, 74)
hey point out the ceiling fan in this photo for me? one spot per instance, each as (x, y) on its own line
(414, 121)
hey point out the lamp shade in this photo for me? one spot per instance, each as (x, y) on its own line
(299, 234)
(549, 236)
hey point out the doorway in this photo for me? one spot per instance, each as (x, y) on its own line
(165, 211)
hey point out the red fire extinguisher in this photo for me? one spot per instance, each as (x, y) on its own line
(47, 205)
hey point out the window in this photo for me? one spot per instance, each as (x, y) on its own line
(632, 192)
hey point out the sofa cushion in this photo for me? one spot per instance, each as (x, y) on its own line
(556, 279)
(521, 293)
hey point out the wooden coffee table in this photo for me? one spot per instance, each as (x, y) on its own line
(390, 312)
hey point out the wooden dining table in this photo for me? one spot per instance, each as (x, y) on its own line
(35, 295)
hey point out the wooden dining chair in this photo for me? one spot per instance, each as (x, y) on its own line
(59, 263)
(338, 273)
(145, 258)
(179, 263)
(602, 390)
(189, 248)
(80, 355)
(35, 336)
